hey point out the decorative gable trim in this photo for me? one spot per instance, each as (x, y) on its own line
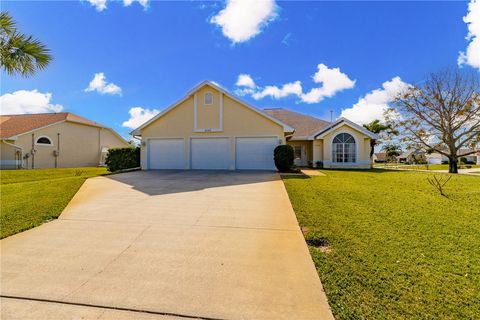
(343, 121)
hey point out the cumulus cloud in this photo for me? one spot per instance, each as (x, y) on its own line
(24, 101)
(245, 80)
(373, 105)
(331, 81)
(292, 88)
(139, 116)
(143, 3)
(472, 19)
(100, 85)
(100, 5)
(242, 20)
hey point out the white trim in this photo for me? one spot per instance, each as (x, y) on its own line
(343, 121)
(204, 98)
(220, 117)
(44, 144)
(195, 125)
(286, 127)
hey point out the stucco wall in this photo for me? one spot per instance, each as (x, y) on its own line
(236, 120)
(79, 145)
(308, 152)
(362, 148)
(9, 156)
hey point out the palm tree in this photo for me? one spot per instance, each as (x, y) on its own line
(20, 53)
(377, 127)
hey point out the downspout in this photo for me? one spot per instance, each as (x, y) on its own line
(33, 151)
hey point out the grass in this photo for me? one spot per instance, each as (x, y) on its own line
(423, 166)
(396, 248)
(32, 197)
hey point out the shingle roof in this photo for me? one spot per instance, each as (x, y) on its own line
(304, 125)
(12, 125)
(381, 156)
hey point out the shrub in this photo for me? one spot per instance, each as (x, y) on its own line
(319, 164)
(283, 156)
(122, 158)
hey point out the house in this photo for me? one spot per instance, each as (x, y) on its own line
(209, 128)
(438, 158)
(54, 140)
(379, 157)
(412, 156)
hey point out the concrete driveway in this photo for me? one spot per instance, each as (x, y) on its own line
(166, 245)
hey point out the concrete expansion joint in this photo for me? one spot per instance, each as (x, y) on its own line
(105, 307)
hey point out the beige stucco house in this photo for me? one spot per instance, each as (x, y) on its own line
(209, 128)
(52, 140)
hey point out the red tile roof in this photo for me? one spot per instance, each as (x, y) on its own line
(12, 125)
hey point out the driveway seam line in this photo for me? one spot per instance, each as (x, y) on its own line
(110, 262)
(98, 306)
(297, 228)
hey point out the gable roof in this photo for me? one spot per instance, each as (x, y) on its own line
(304, 125)
(17, 124)
(285, 126)
(343, 121)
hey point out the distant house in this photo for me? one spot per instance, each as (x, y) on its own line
(54, 140)
(379, 157)
(437, 158)
(411, 156)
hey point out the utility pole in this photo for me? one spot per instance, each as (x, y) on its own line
(331, 116)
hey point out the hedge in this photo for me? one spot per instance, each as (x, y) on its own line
(283, 155)
(122, 158)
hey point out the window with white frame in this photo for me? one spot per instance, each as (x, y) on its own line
(343, 148)
(208, 98)
(45, 141)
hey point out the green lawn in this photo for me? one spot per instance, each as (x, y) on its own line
(32, 197)
(397, 249)
(423, 166)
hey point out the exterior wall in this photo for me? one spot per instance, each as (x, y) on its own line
(78, 145)
(231, 120)
(317, 151)
(362, 149)
(10, 156)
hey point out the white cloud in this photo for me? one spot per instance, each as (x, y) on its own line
(24, 101)
(472, 19)
(373, 105)
(245, 80)
(242, 20)
(292, 88)
(100, 85)
(139, 116)
(100, 5)
(143, 3)
(331, 80)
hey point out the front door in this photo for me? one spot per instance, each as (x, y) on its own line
(299, 156)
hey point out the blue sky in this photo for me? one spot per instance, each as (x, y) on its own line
(152, 55)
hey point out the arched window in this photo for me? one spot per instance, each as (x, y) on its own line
(44, 141)
(343, 148)
(208, 98)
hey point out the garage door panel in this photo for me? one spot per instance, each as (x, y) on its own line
(210, 153)
(255, 153)
(167, 154)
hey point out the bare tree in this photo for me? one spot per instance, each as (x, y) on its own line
(440, 115)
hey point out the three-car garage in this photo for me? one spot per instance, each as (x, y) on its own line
(212, 153)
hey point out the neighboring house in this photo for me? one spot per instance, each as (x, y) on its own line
(379, 157)
(52, 140)
(412, 156)
(209, 128)
(438, 158)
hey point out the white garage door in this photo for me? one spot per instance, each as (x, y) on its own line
(166, 154)
(255, 153)
(210, 153)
